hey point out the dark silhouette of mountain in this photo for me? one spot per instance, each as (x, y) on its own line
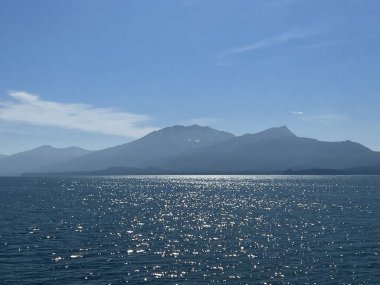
(147, 151)
(276, 149)
(108, 171)
(374, 170)
(33, 159)
(2, 156)
(364, 170)
(317, 172)
(203, 150)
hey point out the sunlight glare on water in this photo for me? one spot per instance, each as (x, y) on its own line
(190, 230)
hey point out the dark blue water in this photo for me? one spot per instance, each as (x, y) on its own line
(190, 230)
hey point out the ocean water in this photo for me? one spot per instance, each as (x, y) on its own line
(190, 230)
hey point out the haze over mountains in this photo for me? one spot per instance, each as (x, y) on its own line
(151, 150)
(276, 149)
(31, 160)
(198, 150)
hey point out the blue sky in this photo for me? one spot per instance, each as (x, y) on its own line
(100, 73)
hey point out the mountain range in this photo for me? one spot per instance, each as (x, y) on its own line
(32, 160)
(200, 150)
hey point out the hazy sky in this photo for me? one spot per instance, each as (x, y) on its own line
(99, 73)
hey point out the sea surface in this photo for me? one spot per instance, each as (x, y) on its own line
(190, 230)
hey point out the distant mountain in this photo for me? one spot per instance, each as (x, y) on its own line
(2, 156)
(276, 149)
(108, 171)
(369, 170)
(203, 150)
(147, 151)
(32, 160)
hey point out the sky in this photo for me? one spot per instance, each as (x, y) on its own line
(95, 74)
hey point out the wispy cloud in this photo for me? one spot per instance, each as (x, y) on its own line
(28, 108)
(320, 118)
(326, 118)
(268, 42)
(298, 113)
(324, 44)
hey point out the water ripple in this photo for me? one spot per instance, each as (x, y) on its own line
(190, 230)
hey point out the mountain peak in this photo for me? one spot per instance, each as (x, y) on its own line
(190, 130)
(282, 131)
(183, 128)
(51, 148)
(45, 146)
(33, 159)
(272, 133)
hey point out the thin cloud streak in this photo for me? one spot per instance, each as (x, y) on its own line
(267, 43)
(28, 108)
(298, 113)
(326, 118)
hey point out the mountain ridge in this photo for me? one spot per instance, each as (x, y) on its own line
(30, 160)
(198, 149)
(274, 154)
(148, 150)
